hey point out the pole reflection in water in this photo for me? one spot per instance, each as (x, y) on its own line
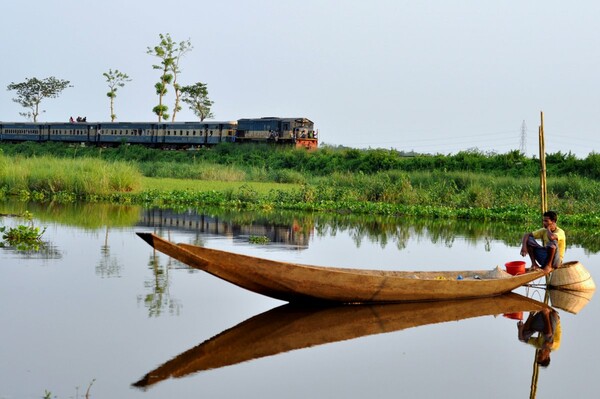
(108, 265)
(292, 327)
(546, 323)
(159, 296)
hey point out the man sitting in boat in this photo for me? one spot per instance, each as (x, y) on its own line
(547, 323)
(548, 256)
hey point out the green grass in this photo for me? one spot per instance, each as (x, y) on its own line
(169, 184)
(261, 177)
(85, 176)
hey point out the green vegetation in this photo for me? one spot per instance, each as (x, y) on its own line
(32, 91)
(196, 96)
(114, 79)
(468, 185)
(23, 237)
(258, 240)
(327, 160)
(169, 52)
(45, 177)
(81, 214)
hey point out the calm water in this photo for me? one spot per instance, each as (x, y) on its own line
(98, 305)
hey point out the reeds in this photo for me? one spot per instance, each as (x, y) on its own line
(80, 177)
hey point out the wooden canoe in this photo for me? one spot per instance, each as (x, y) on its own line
(292, 327)
(301, 283)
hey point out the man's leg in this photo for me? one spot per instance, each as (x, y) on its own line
(536, 253)
(553, 257)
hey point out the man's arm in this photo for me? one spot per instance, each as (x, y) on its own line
(524, 243)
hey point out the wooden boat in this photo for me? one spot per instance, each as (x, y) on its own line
(301, 283)
(292, 327)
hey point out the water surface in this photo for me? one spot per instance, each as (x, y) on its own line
(98, 304)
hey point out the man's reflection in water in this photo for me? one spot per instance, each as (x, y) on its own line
(547, 323)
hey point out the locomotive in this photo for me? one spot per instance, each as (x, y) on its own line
(293, 131)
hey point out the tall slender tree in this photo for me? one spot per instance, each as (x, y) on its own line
(196, 96)
(114, 79)
(32, 91)
(183, 47)
(165, 51)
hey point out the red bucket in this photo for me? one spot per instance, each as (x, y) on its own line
(515, 267)
(514, 316)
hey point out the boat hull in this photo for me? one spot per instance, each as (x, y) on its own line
(302, 283)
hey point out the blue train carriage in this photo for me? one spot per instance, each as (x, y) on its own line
(194, 134)
(220, 132)
(117, 133)
(284, 130)
(68, 132)
(22, 131)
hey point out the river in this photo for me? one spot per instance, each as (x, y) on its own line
(97, 309)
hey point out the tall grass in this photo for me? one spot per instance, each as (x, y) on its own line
(339, 179)
(196, 171)
(455, 190)
(81, 176)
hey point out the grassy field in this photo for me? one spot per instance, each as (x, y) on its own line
(169, 184)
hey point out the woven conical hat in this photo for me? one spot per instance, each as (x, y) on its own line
(572, 276)
(571, 301)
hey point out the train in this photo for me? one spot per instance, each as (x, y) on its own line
(299, 132)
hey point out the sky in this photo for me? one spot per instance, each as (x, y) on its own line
(431, 76)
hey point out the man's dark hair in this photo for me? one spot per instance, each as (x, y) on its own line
(551, 215)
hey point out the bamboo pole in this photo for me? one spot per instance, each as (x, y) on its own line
(544, 208)
(542, 145)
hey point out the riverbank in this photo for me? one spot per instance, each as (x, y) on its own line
(165, 183)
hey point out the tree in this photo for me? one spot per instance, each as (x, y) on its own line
(115, 79)
(180, 51)
(165, 51)
(196, 96)
(32, 91)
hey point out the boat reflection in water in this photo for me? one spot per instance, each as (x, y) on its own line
(291, 327)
